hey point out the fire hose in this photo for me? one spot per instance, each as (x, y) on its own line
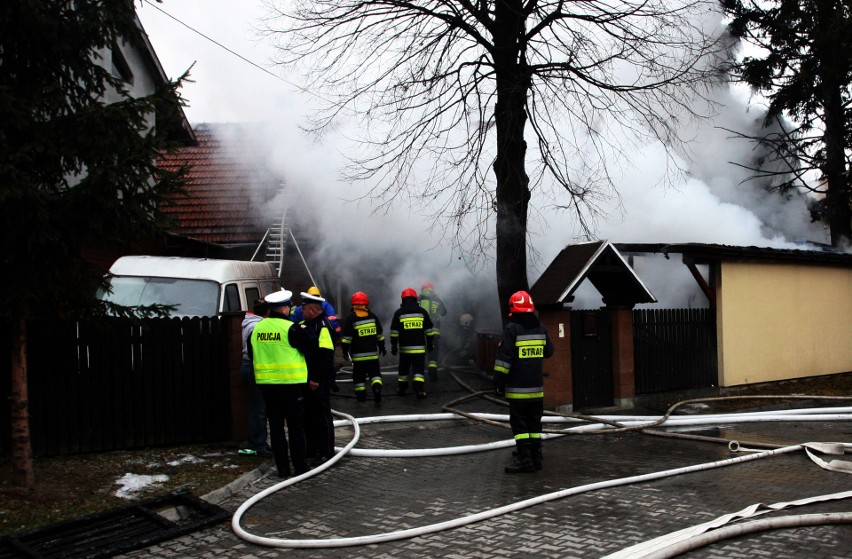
(638, 422)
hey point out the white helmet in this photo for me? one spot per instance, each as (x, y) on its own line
(465, 320)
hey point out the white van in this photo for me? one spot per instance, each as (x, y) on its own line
(195, 286)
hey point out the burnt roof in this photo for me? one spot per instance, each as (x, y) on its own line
(600, 263)
(230, 188)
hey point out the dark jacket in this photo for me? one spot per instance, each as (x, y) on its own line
(518, 367)
(411, 328)
(363, 336)
(320, 357)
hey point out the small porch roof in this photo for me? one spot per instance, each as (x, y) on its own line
(600, 263)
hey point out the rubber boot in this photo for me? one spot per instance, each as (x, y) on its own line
(377, 395)
(536, 454)
(361, 396)
(419, 390)
(523, 463)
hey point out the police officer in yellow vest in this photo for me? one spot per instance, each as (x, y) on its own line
(278, 349)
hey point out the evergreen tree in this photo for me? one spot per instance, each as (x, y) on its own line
(805, 71)
(77, 165)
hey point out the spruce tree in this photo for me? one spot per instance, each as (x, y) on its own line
(77, 165)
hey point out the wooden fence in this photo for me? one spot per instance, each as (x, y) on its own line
(674, 349)
(110, 384)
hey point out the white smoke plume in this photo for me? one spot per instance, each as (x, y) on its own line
(382, 253)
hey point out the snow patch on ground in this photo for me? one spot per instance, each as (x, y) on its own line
(187, 459)
(133, 483)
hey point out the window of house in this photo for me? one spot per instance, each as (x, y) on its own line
(120, 67)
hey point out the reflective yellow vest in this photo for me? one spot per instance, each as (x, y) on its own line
(275, 360)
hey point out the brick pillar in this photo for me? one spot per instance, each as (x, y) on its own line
(558, 381)
(239, 394)
(623, 372)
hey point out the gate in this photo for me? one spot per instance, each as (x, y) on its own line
(591, 359)
(675, 349)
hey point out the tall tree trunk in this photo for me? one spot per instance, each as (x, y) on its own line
(22, 456)
(838, 195)
(510, 119)
(832, 69)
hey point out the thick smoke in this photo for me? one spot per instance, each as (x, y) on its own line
(382, 253)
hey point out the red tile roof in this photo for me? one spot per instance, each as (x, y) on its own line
(230, 187)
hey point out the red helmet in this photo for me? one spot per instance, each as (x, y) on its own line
(408, 292)
(427, 285)
(360, 298)
(521, 302)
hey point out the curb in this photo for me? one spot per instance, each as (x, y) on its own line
(218, 496)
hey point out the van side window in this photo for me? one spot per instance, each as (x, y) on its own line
(252, 293)
(232, 298)
(270, 287)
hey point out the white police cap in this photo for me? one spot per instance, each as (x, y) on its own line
(279, 298)
(308, 298)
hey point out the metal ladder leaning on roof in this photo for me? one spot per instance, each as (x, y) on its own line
(276, 237)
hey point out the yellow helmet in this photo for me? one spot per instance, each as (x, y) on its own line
(314, 290)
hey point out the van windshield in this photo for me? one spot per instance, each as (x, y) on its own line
(191, 297)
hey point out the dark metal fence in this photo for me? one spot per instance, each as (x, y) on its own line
(675, 349)
(109, 384)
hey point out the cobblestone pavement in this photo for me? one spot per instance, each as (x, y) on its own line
(361, 496)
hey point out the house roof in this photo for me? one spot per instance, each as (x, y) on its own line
(703, 253)
(600, 263)
(231, 194)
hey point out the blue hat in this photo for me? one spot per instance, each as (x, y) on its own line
(279, 298)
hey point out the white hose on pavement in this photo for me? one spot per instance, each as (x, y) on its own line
(477, 517)
(696, 533)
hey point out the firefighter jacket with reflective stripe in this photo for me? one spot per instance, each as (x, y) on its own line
(362, 336)
(518, 366)
(435, 307)
(275, 351)
(320, 357)
(410, 327)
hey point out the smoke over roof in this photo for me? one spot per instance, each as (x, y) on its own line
(382, 253)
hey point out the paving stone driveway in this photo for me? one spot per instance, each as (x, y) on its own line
(361, 496)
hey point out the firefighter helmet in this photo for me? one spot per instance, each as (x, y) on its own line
(427, 286)
(465, 320)
(521, 302)
(408, 292)
(314, 290)
(360, 298)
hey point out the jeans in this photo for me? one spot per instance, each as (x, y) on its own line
(257, 410)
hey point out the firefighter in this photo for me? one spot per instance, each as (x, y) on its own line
(465, 343)
(362, 342)
(277, 348)
(518, 374)
(436, 308)
(412, 336)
